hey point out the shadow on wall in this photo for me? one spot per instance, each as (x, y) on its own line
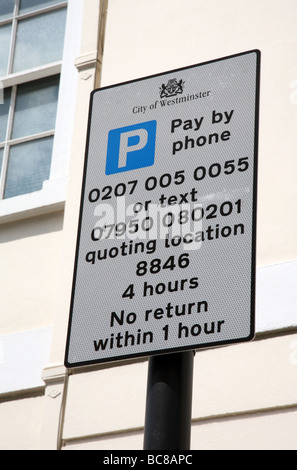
(32, 227)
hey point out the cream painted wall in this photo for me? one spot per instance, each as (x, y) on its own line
(21, 423)
(259, 431)
(30, 253)
(146, 37)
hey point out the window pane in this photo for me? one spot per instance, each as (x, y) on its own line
(32, 5)
(4, 110)
(5, 32)
(36, 107)
(40, 40)
(28, 166)
(6, 9)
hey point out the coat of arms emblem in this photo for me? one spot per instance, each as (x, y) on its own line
(172, 88)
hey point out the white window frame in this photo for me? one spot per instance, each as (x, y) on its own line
(17, 16)
(53, 194)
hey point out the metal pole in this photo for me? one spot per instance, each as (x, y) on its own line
(169, 402)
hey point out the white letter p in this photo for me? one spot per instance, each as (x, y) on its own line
(142, 135)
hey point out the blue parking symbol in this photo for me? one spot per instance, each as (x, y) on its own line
(131, 147)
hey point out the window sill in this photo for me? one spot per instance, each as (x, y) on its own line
(31, 75)
(50, 199)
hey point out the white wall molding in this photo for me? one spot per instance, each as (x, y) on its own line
(276, 297)
(23, 355)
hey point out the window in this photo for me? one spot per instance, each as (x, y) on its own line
(32, 38)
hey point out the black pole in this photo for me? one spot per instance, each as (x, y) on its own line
(169, 402)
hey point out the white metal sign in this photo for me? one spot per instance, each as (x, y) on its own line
(166, 241)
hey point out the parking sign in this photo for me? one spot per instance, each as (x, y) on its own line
(165, 256)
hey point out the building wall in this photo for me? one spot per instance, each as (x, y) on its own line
(244, 396)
